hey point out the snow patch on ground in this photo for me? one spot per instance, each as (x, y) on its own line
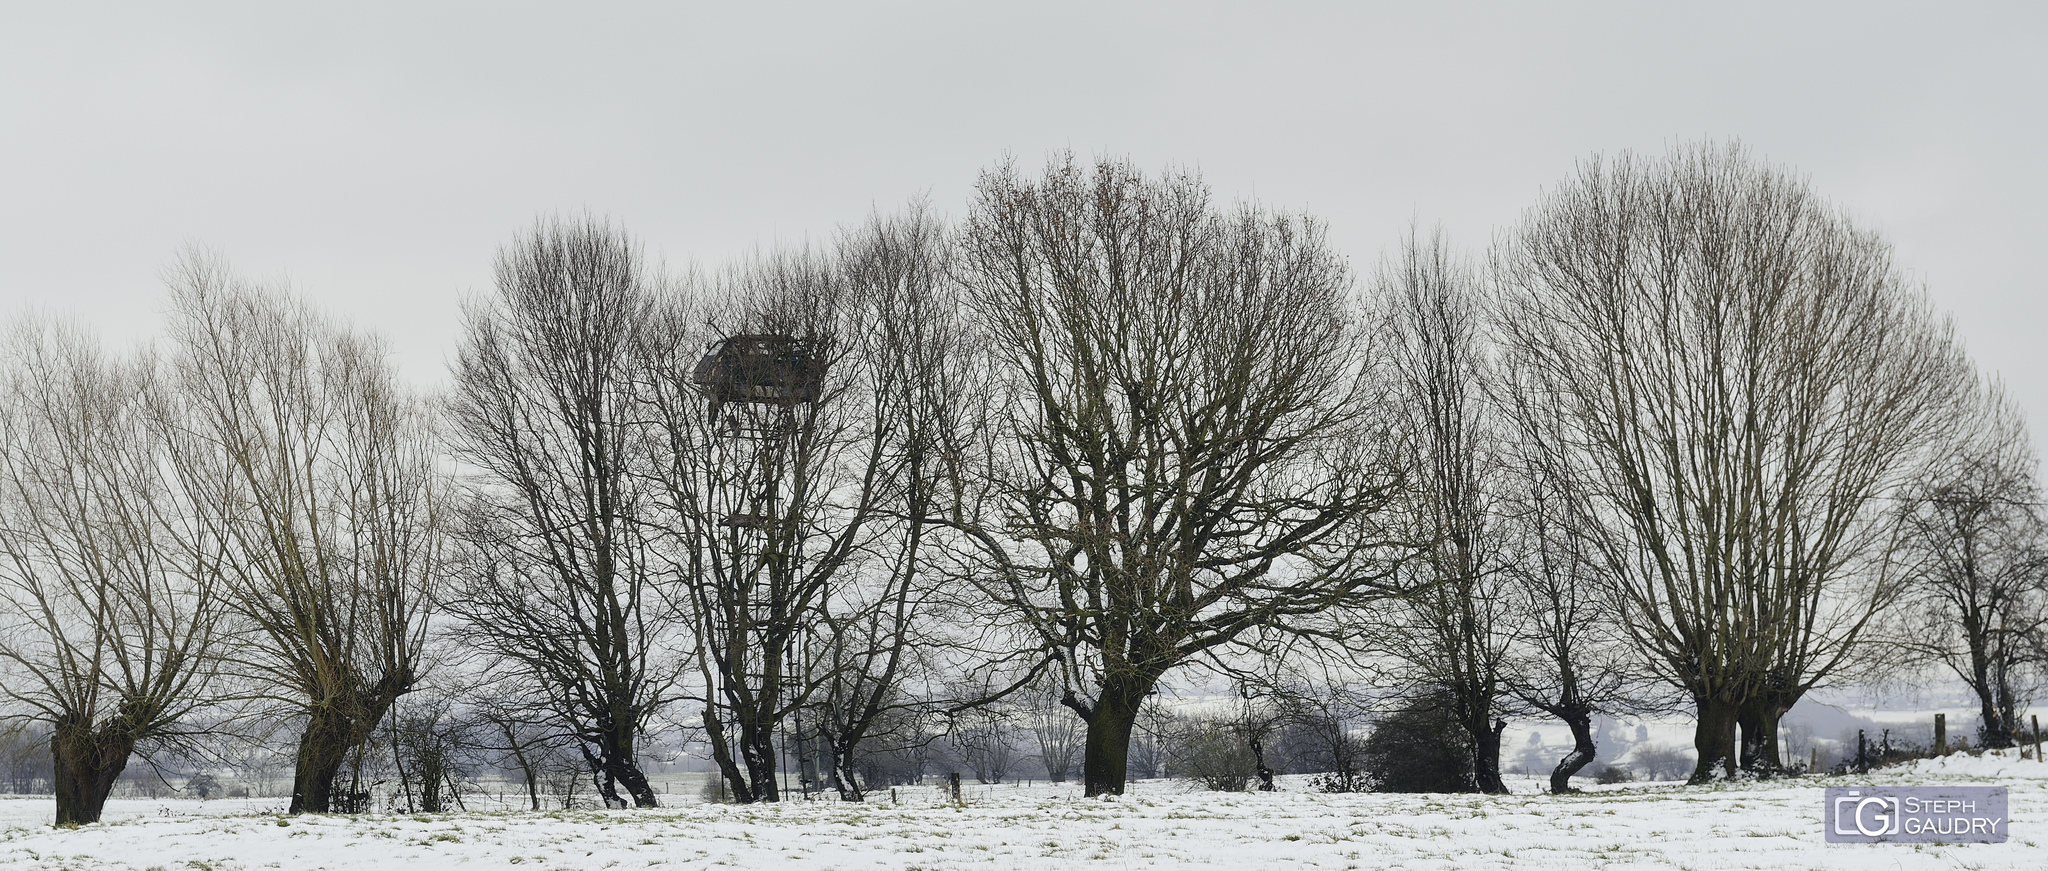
(1755, 824)
(1992, 766)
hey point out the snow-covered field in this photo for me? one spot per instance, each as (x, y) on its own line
(1772, 824)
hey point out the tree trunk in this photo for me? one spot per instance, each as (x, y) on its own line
(85, 766)
(1758, 719)
(843, 777)
(323, 747)
(611, 760)
(1471, 702)
(2009, 708)
(1993, 734)
(1486, 755)
(601, 780)
(714, 731)
(1714, 737)
(757, 747)
(1105, 761)
(1259, 759)
(621, 768)
(334, 727)
(753, 773)
(1996, 730)
(432, 770)
(1581, 724)
(525, 765)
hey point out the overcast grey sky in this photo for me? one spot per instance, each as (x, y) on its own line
(378, 154)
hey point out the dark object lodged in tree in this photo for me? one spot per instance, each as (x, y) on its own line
(1419, 748)
(772, 369)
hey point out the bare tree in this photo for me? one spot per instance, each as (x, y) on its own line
(770, 475)
(1738, 377)
(1175, 449)
(434, 747)
(1571, 660)
(563, 585)
(510, 734)
(877, 632)
(983, 739)
(1321, 737)
(1455, 630)
(1260, 718)
(332, 515)
(1320, 703)
(1976, 549)
(1054, 731)
(109, 590)
(798, 472)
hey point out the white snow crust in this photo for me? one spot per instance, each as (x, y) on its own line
(1749, 824)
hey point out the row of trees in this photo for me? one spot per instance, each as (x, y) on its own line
(262, 494)
(1686, 433)
(1692, 425)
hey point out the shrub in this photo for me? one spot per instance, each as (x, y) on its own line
(1418, 748)
(1613, 774)
(1216, 755)
(1660, 762)
(1347, 780)
(203, 785)
(1314, 742)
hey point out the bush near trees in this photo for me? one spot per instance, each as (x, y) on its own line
(1419, 747)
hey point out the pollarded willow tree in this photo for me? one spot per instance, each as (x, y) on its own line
(1739, 378)
(110, 604)
(331, 512)
(1178, 445)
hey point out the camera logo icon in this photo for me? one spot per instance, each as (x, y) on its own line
(1914, 815)
(1867, 815)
